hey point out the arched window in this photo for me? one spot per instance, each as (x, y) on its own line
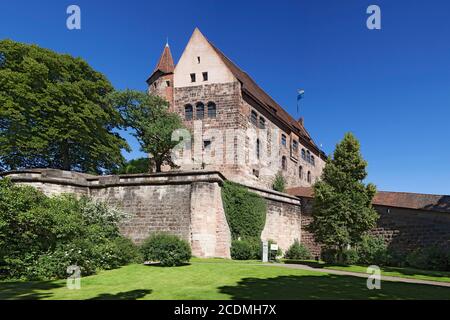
(200, 111)
(309, 177)
(308, 156)
(303, 154)
(284, 163)
(300, 172)
(313, 161)
(212, 110)
(258, 149)
(188, 110)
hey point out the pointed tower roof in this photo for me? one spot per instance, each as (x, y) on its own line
(165, 65)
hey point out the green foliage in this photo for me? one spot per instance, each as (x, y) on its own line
(279, 183)
(373, 250)
(342, 210)
(298, 251)
(54, 112)
(141, 165)
(242, 250)
(430, 258)
(41, 236)
(245, 211)
(336, 256)
(167, 249)
(153, 124)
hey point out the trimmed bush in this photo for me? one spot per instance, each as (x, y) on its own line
(242, 250)
(297, 251)
(169, 250)
(245, 211)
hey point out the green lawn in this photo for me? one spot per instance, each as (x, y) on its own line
(411, 273)
(218, 279)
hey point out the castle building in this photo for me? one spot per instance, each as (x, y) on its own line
(233, 126)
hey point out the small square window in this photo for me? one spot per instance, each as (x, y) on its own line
(192, 77)
(168, 83)
(205, 76)
(206, 144)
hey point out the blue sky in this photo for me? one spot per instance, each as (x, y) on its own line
(390, 87)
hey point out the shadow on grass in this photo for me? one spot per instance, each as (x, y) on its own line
(18, 290)
(158, 265)
(327, 287)
(400, 270)
(129, 295)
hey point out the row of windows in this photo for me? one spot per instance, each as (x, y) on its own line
(306, 155)
(254, 120)
(194, 77)
(200, 111)
(300, 170)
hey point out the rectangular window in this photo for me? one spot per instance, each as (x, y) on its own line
(295, 145)
(205, 76)
(198, 60)
(262, 123)
(192, 77)
(254, 118)
(168, 83)
(283, 140)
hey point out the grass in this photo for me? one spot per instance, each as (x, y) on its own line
(410, 273)
(218, 279)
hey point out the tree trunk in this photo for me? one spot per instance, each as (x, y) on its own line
(158, 165)
(65, 156)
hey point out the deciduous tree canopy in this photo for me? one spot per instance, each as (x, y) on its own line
(54, 112)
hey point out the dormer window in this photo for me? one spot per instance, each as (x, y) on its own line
(205, 76)
(192, 77)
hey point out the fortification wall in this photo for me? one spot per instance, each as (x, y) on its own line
(403, 229)
(188, 204)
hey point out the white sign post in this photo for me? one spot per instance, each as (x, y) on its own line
(265, 251)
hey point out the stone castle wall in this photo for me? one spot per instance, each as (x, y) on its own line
(403, 229)
(188, 204)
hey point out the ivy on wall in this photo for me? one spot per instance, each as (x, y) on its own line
(245, 211)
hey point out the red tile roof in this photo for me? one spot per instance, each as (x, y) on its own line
(417, 201)
(165, 65)
(250, 87)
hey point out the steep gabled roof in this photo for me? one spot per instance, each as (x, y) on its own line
(165, 65)
(250, 87)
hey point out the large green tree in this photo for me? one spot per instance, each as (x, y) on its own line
(152, 123)
(342, 210)
(54, 112)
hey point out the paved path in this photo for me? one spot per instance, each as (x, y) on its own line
(357, 274)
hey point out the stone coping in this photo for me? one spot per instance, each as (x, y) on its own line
(83, 180)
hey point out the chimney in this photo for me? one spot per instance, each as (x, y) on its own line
(301, 121)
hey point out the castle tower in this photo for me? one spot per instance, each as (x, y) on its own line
(161, 81)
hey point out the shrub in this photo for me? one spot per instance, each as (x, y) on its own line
(431, 258)
(168, 249)
(41, 236)
(334, 256)
(279, 184)
(242, 250)
(245, 211)
(297, 251)
(372, 250)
